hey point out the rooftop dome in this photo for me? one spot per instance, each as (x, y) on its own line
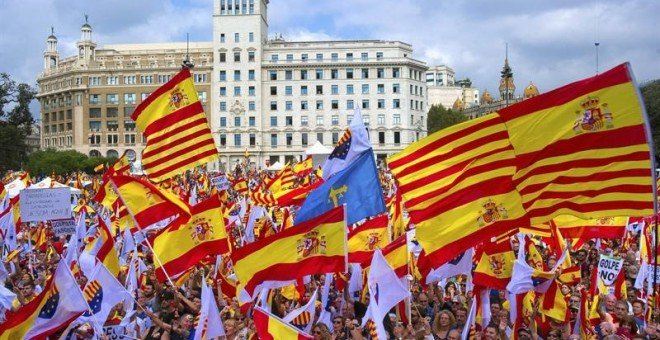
(486, 98)
(458, 105)
(530, 91)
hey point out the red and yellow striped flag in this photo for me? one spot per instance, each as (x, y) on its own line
(177, 131)
(146, 203)
(316, 246)
(458, 187)
(104, 248)
(184, 243)
(366, 238)
(582, 149)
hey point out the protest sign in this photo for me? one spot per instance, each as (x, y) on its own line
(64, 227)
(45, 204)
(220, 182)
(609, 268)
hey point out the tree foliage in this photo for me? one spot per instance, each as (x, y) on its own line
(15, 121)
(440, 118)
(651, 94)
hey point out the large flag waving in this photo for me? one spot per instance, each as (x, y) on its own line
(317, 246)
(59, 303)
(184, 244)
(583, 149)
(177, 131)
(357, 186)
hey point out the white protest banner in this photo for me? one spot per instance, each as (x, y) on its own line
(609, 268)
(64, 227)
(115, 332)
(220, 182)
(45, 204)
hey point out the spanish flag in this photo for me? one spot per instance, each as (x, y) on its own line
(603, 227)
(187, 241)
(583, 149)
(316, 246)
(458, 187)
(105, 195)
(495, 266)
(99, 167)
(103, 248)
(146, 203)
(304, 167)
(397, 256)
(270, 327)
(366, 238)
(177, 131)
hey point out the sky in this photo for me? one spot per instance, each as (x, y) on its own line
(550, 43)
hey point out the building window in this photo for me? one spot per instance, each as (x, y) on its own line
(95, 112)
(237, 75)
(251, 75)
(365, 73)
(289, 58)
(251, 36)
(397, 137)
(237, 37)
(288, 75)
(273, 90)
(303, 121)
(350, 104)
(334, 89)
(273, 121)
(223, 139)
(253, 139)
(223, 106)
(273, 139)
(319, 73)
(288, 90)
(319, 120)
(365, 56)
(252, 106)
(380, 73)
(288, 121)
(334, 74)
(163, 78)
(303, 57)
(222, 37)
(129, 80)
(319, 57)
(252, 121)
(365, 88)
(381, 119)
(112, 80)
(304, 105)
(335, 138)
(396, 88)
(349, 73)
(335, 104)
(112, 112)
(94, 81)
(237, 91)
(349, 56)
(94, 99)
(319, 89)
(379, 56)
(222, 75)
(223, 57)
(146, 79)
(251, 56)
(288, 105)
(273, 106)
(303, 90)
(381, 103)
(303, 74)
(223, 91)
(396, 119)
(237, 121)
(319, 105)
(272, 75)
(349, 89)
(237, 139)
(381, 137)
(396, 103)
(223, 121)
(303, 137)
(289, 139)
(365, 103)
(319, 137)
(335, 120)
(112, 98)
(237, 57)
(251, 91)
(396, 72)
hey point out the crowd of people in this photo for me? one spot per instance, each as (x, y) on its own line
(170, 309)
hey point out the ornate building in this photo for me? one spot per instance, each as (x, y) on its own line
(271, 97)
(507, 91)
(443, 89)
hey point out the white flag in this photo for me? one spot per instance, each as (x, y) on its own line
(210, 324)
(310, 308)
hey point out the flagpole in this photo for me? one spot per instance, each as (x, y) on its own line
(97, 326)
(157, 259)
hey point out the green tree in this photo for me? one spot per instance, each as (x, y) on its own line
(651, 94)
(45, 162)
(15, 121)
(440, 118)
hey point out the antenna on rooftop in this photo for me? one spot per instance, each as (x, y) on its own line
(187, 63)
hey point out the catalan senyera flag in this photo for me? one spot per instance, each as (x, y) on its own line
(184, 243)
(316, 246)
(458, 187)
(583, 149)
(270, 327)
(146, 203)
(177, 131)
(366, 238)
